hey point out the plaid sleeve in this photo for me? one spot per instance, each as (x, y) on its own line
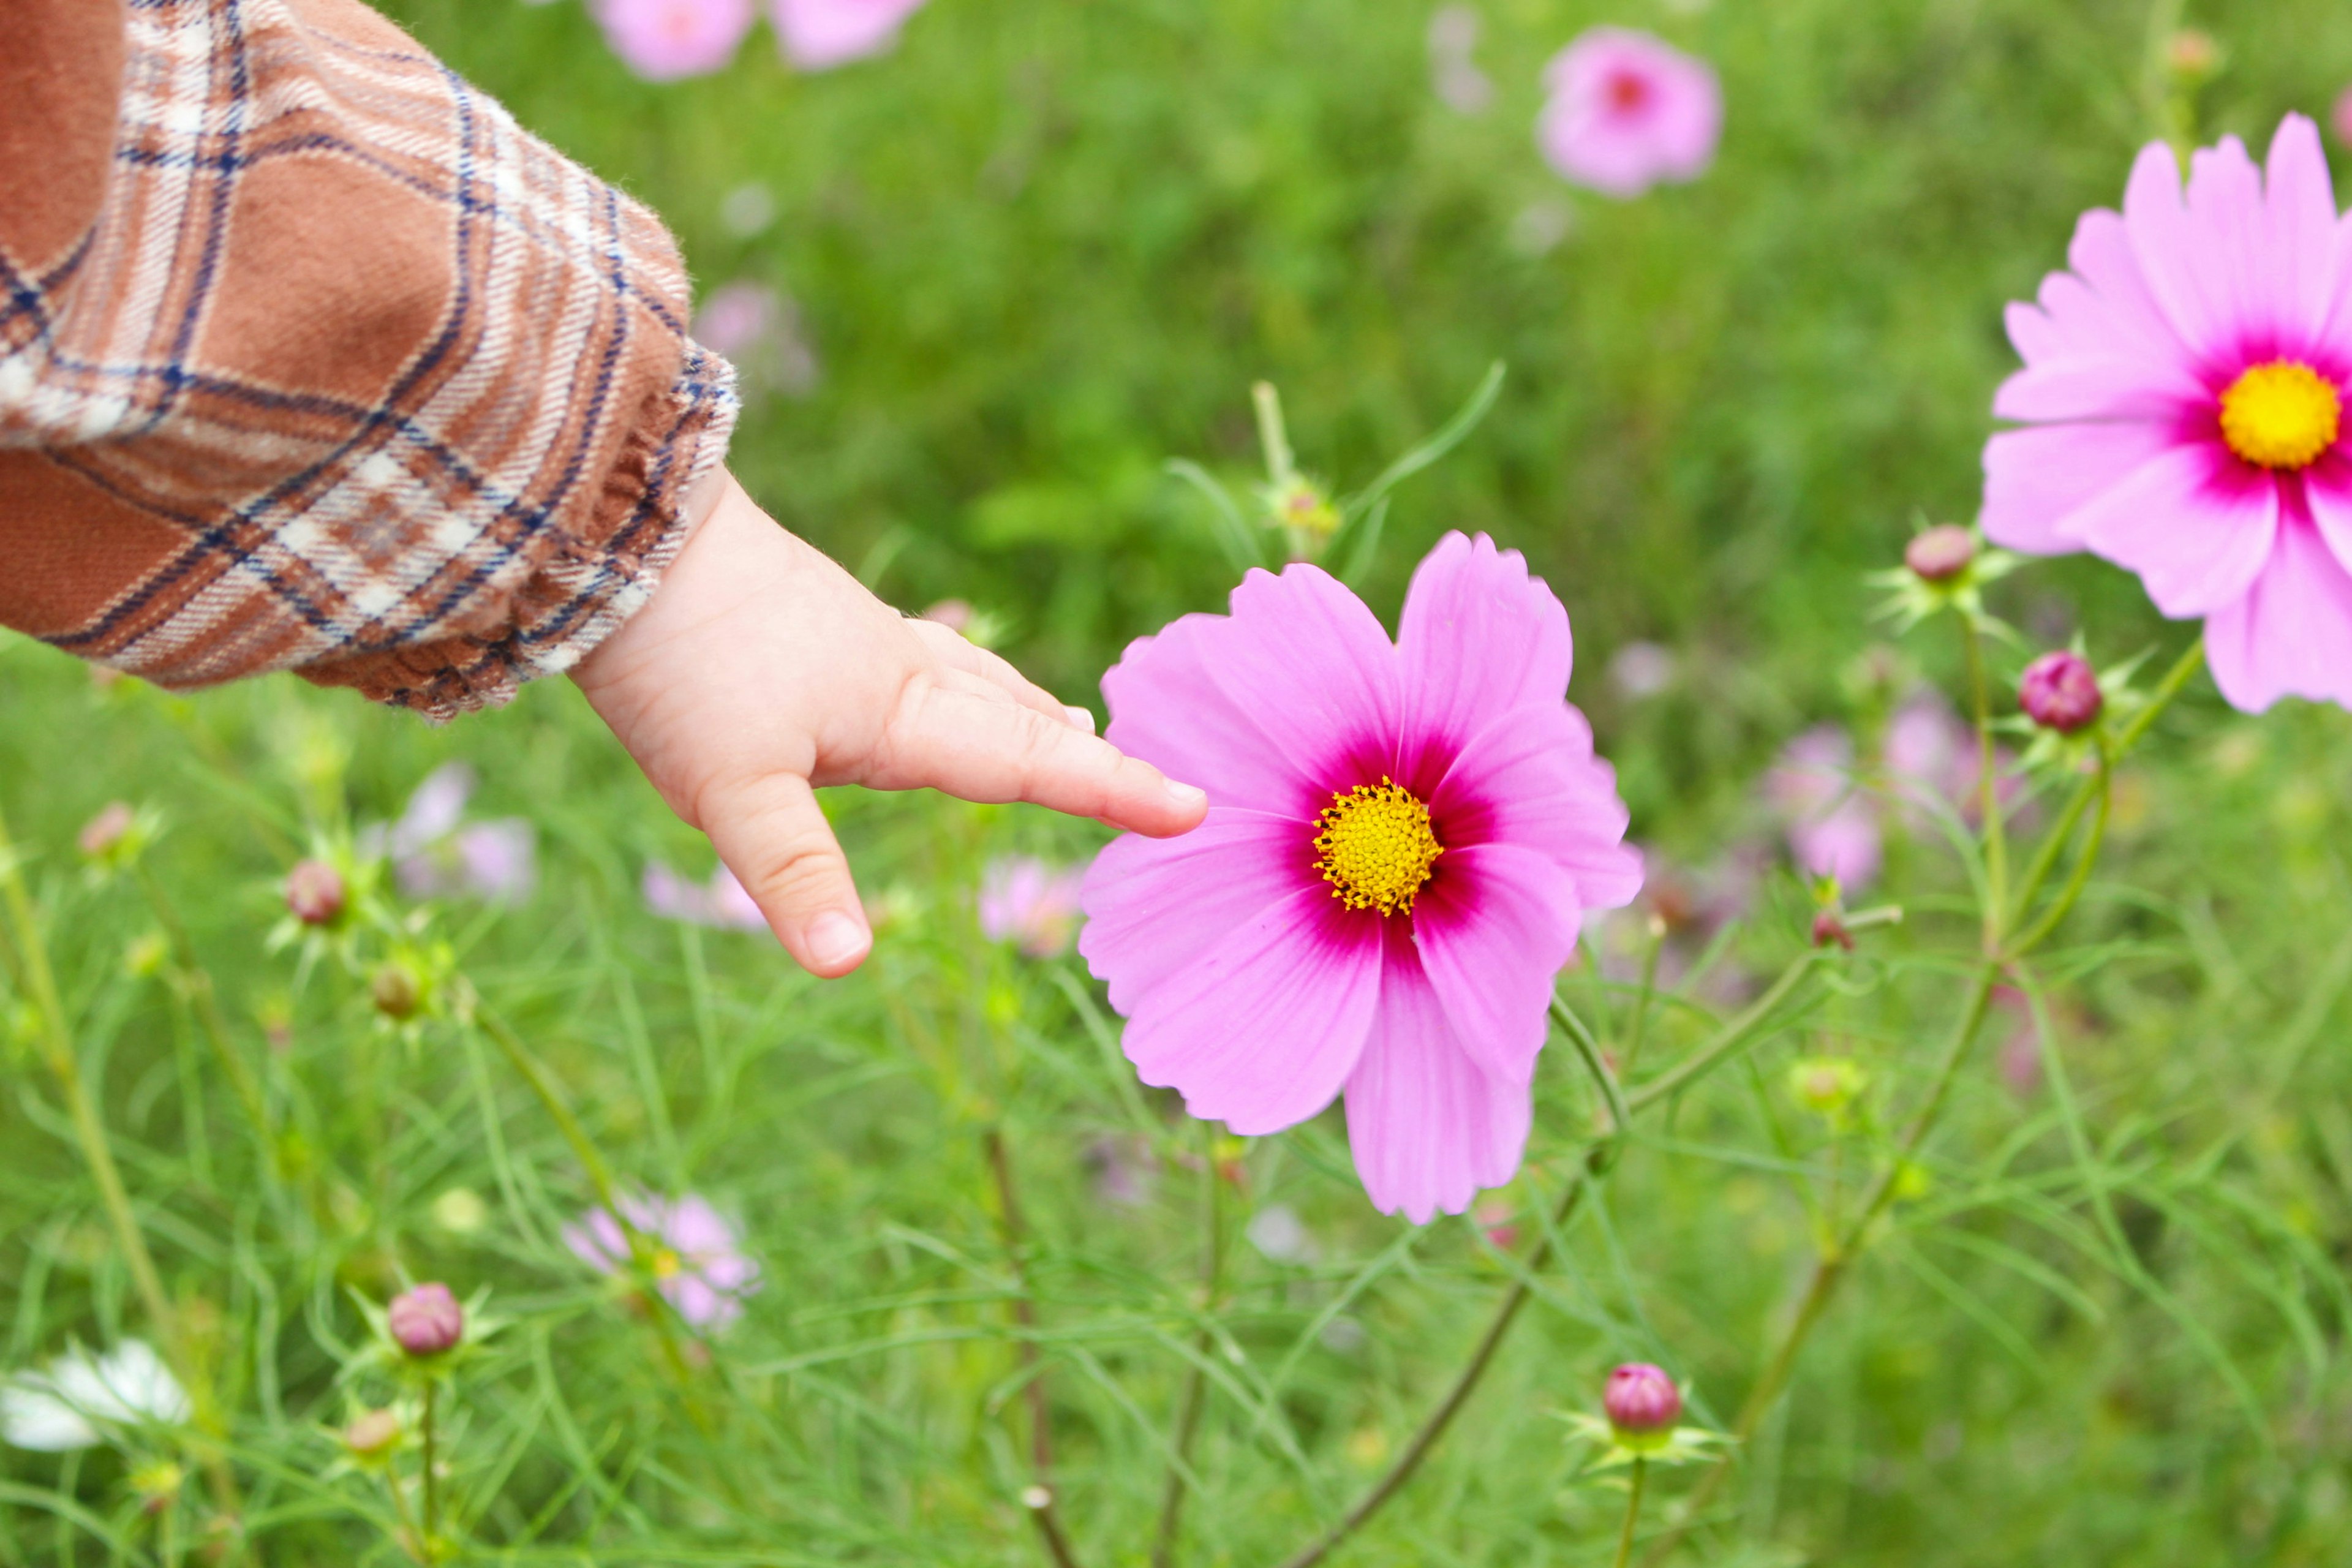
(311, 359)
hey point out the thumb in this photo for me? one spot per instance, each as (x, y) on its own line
(773, 835)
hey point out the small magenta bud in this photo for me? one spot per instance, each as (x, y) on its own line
(425, 1321)
(2060, 691)
(314, 892)
(1828, 928)
(372, 1435)
(1643, 1405)
(395, 991)
(1940, 553)
(104, 831)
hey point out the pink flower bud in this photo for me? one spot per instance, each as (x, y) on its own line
(396, 992)
(104, 831)
(1828, 928)
(1641, 1402)
(372, 1435)
(425, 1321)
(314, 892)
(2060, 691)
(1940, 553)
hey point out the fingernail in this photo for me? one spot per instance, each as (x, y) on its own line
(1084, 718)
(1185, 796)
(835, 940)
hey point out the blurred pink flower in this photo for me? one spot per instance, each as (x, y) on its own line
(2340, 117)
(698, 1261)
(2182, 411)
(1404, 840)
(1453, 40)
(820, 33)
(663, 40)
(720, 903)
(1833, 825)
(1628, 111)
(436, 854)
(759, 327)
(1024, 900)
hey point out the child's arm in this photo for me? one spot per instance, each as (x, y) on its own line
(762, 668)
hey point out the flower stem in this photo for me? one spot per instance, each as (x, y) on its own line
(1434, 1425)
(64, 1061)
(1727, 1039)
(1633, 1511)
(1996, 833)
(432, 1485)
(1195, 1398)
(1039, 1498)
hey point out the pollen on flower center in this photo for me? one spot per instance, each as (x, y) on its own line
(2282, 415)
(1375, 846)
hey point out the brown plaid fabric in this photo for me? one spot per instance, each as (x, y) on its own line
(311, 359)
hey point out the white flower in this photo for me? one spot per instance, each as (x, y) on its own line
(68, 1405)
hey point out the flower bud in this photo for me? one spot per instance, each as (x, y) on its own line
(314, 893)
(425, 1321)
(107, 829)
(1940, 553)
(396, 992)
(2060, 691)
(2191, 55)
(1828, 928)
(1643, 1405)
(1827, 1086)
(372, 1435)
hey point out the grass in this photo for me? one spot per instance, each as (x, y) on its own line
(1037, 254)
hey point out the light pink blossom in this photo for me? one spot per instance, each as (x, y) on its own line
(1402, 841)
(436, 854)
(1832, 824)
(759, 327)
(1024, 900)
(699, 1262)
(818, 35)
(720, 903)
(664, 40)
(2182, 406)
(1628, 111)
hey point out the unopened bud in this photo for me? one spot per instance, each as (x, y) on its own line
(1826, 1085)
(425, 1321)
(1828, 928)
(1643, 1405)
(2061, 691)
(2192, 54)
(396, 991)
(1940, 553)
(157, 1485)
(372, 1435)
(314, 893)
(104, 831)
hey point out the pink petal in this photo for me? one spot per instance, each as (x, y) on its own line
(1495, 927)
(2175, 254)
(1479, 637)
(2195, 524)
(2303, 222)
(1155, 906)
(2291, 635)
(1428, 1129)
(1166, 710)
(1262, 1029)
(1530, 779)
(2328, 493)
(2087, 388)
(818, 35)
(2034, 478)
(2115, 287)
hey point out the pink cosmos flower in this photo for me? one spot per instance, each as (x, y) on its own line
(1402, 842)
(436, 853)
(720, 903)
(1833, 825)
(1024, 900)
(2340, 117)
(699, 1262)
(2183, 398)
(818, 35)
(1628, 111)
(663, 40)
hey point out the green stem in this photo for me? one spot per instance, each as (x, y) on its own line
(1195, 1398)
(1589, 1049)
(1434, 1425)
(1996, 834)
(1039, 1498)
(1637, 1032)
(1633, 1511)
(197, 984)
(431, 1483)
(1727, 1039)
(64, 1061)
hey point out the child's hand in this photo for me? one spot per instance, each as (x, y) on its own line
(762, 668)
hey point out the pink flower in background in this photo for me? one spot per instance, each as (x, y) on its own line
(437, 854)
(663, 40)
(2183, 404)
(1402, 841)
(720, 903)
(759, 327)
(699, 1260)
(1452, 66)
(2340, 117)
(1832, 824)
(1024, 900)
(820, 33)
(1628, 111)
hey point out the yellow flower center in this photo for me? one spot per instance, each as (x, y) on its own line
(2282, 415)
(667, 1265)
(1374, 845)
